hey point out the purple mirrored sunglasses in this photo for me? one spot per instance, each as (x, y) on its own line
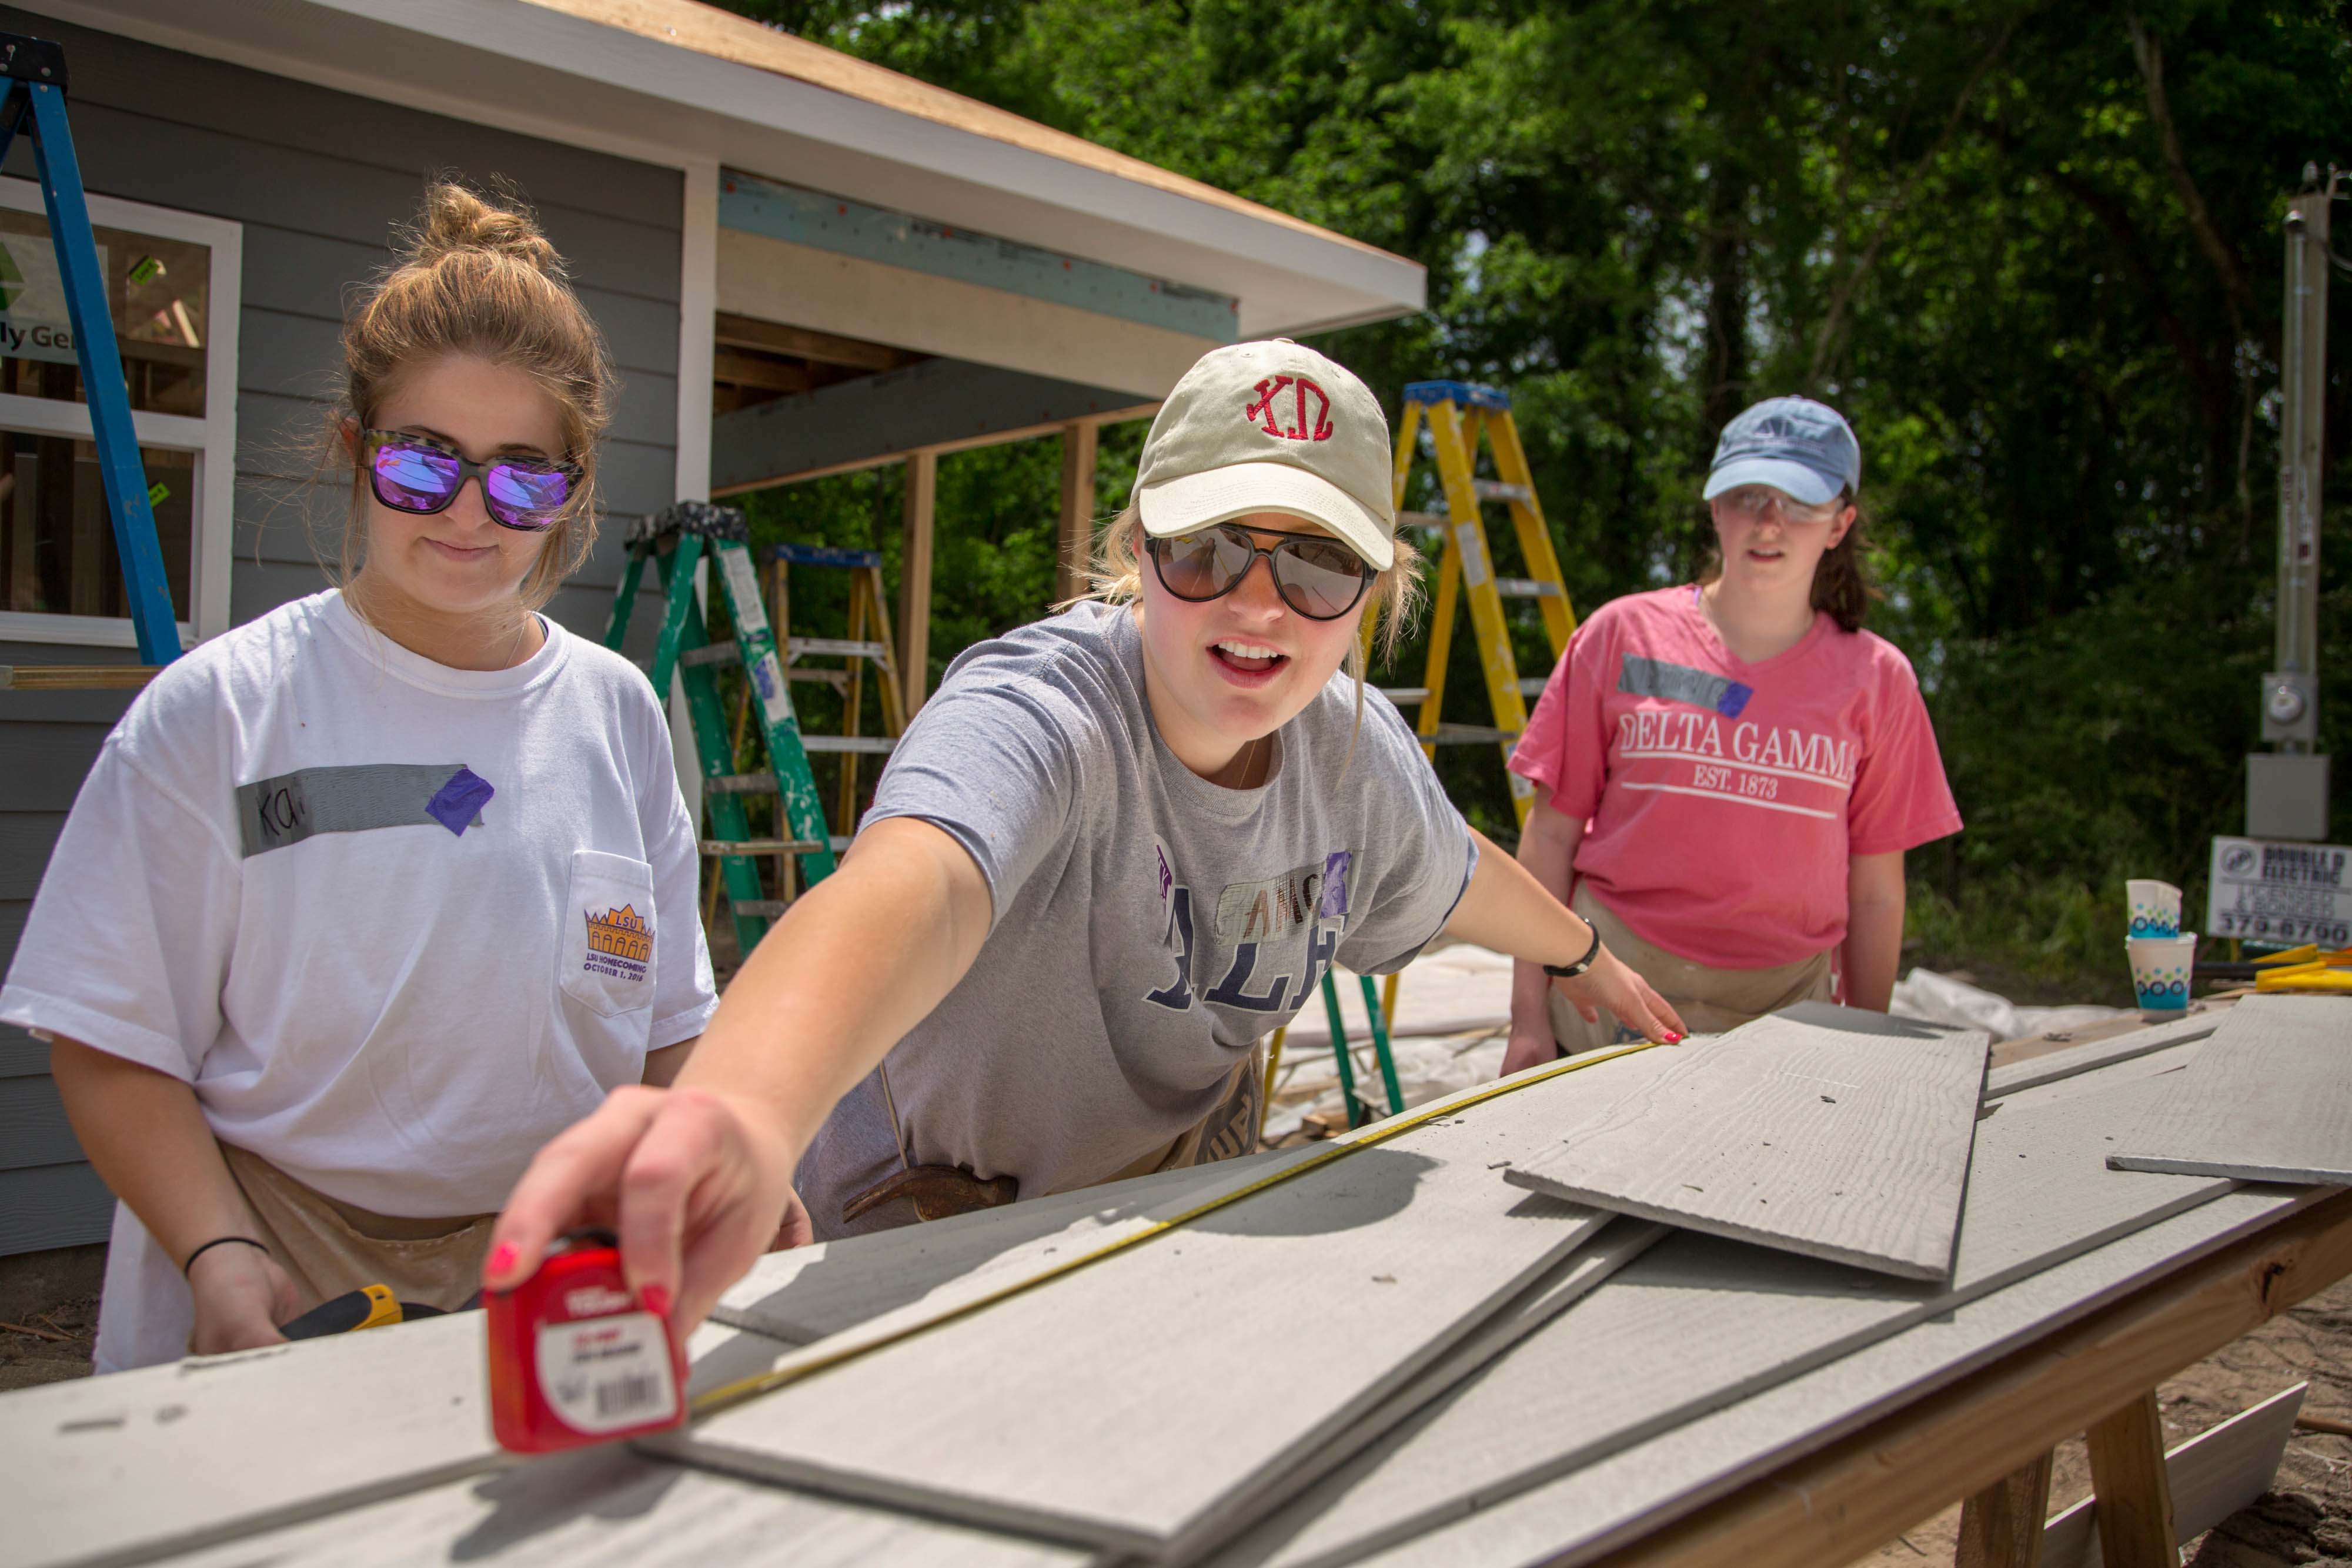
(416, 474)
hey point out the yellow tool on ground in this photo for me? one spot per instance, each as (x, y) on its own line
(2303, 978)
(368, 1307)
(2308, 953)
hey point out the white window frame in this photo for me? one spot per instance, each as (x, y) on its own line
(212, 438)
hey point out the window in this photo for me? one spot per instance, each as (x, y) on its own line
(171, 279)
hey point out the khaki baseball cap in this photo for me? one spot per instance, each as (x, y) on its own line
(1270, 426)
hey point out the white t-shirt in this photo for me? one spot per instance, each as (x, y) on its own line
(397, 923)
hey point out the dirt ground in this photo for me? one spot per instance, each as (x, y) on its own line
(49, 1314)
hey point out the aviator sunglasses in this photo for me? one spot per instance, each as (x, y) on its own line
(1319, 578)
(418, 475)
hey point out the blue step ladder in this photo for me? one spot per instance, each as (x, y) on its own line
(33, 105)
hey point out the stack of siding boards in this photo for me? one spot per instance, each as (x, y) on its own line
(1523, 1325)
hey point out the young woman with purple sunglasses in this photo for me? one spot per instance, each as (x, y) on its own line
(367, 898)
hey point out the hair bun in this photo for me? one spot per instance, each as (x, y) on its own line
(455, 220)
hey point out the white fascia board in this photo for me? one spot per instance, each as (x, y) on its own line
(527, 69)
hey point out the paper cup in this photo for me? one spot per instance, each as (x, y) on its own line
(2155, 907)
(2160, 968)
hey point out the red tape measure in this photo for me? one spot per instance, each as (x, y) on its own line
(575, 1358)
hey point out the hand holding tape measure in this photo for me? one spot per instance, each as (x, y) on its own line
(576, 1356)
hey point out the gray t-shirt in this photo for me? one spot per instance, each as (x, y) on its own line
(1148, 926)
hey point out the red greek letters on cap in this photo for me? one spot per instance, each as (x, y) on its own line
(1299, 387)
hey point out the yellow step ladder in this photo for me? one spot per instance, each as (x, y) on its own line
(1458, 413)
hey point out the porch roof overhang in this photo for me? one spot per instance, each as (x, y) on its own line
(678, 82)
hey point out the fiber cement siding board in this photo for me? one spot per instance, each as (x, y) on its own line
(608, 1505)
(313, 275)
(1839, 1142)
(25, 840)
(2267, 1098)
(127, 154)
(33, 1128)
(22, 1056)
(256, 589)
(637, 478)
(295, 356)
(207, 1449)
(2036, 1070)
(42, 1206)
(108, 69)
(44, 763)
(1565, 1283)
(1702, 1322)
(1396, 1250)
(808, 1293)
(1584, 1516)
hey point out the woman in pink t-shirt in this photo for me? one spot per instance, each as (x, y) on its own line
(1730, 771)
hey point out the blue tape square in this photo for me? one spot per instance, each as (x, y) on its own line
(459, 803)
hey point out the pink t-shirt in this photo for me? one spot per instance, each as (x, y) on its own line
(1722, 799)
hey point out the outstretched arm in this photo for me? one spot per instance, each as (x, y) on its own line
(698, 1179)
(1506, 909)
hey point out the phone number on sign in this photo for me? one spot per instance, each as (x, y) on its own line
(2280, 928)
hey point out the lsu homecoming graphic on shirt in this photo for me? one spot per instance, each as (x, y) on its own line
(620, 944)
(1269, 940)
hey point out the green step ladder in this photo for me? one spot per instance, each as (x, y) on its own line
(675, 543)
(1360, 1108)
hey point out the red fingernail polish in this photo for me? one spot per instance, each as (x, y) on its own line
(501, 1259)
(1672, 1038)
(656, 1299)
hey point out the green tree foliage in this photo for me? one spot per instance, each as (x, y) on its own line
(2032, 250)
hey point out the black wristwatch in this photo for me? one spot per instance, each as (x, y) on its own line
(1569, 971)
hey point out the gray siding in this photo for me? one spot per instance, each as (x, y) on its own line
(319, 180)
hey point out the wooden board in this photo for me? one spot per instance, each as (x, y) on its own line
(1638, 1492)
(1123, 1405)
(2269, 1098)
(608, 1505)
(1701, 1322)
(2213, 1475)
(805, 1294)
(1832, 1141)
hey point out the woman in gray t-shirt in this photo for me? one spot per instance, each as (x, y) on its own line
(1115, 850)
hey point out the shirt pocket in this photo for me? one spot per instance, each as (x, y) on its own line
(608, 951)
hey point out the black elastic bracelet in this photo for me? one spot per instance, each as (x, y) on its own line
(1569, 971)
(218, 1241)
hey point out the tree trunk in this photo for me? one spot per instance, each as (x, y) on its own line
(1725, 260)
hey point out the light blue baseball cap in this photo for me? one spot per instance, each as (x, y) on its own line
(1792, 443)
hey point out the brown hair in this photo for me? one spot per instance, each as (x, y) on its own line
(1391, 601)
(477, 277)
(1842, 584)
